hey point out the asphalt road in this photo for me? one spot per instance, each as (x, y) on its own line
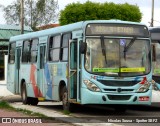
(95, 115)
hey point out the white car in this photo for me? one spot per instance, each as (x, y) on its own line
(155, 95)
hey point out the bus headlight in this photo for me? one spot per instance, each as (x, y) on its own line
(91, 86)
(144, 88)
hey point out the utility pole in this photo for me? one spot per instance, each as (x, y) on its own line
(22, 16)
(152, 18)
(31, 11)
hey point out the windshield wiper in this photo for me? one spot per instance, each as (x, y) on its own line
(103, 48)
(128, 46)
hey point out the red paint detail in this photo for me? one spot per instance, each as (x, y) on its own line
(94, 77)
(36, 90)
(144, 98)
(144, 80)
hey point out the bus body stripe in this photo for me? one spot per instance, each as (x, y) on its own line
(33, 81)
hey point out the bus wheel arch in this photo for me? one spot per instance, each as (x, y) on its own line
(22, 82)
(61, 86)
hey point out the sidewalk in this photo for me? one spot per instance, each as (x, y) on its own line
(12, 99)
(7, 116)
(3, 90)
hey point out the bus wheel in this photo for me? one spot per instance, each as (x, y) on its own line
(25, 99)
(66, 105)
(34, 101)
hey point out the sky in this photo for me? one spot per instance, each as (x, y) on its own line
(144, 5)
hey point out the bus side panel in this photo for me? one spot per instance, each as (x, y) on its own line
(60, 75)
(54, 74)
(29, 76)
(11, 78)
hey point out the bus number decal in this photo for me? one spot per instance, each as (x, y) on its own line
(115, 70)
(137, 69)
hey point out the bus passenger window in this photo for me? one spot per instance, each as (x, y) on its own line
(54, 48)
(64, 47)
(12, 48)
(26, 52)
(34, 50)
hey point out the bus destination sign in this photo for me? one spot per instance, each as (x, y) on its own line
(117, 29)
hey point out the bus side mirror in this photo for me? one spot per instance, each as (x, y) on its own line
(83, 48)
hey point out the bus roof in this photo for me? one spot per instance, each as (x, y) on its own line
(154, 29)
(66, 28)
(155, 33)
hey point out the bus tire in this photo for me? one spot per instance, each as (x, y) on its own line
(25, 99)
(34, 101)
(66, 105)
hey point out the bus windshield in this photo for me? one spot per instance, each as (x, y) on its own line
(117, 56)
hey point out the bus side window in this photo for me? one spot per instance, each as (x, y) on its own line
(54, 48)
(64, 46)
(153, 52)
(26, 52)
(34, 50)
(12, 48)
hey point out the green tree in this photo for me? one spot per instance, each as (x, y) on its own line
(75, 12)
(42, 12)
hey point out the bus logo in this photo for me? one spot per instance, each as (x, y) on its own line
(119, 90)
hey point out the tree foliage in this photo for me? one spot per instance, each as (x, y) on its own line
(75, 12)
(42, 12)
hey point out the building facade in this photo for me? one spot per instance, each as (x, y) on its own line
(6, 31)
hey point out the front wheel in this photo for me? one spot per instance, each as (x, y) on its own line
(66, 105)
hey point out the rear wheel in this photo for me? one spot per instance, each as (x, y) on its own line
(25, 99)
(34, 101)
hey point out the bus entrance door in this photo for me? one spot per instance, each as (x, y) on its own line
(40, 70)
(73, 68)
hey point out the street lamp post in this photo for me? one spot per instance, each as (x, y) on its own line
(152, 18)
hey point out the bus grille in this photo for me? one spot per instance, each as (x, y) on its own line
(118, 83)
(122, 90)
(119, 97)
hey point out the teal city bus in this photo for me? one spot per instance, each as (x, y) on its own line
(88, 62)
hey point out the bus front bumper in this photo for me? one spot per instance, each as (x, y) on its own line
(90, 97)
